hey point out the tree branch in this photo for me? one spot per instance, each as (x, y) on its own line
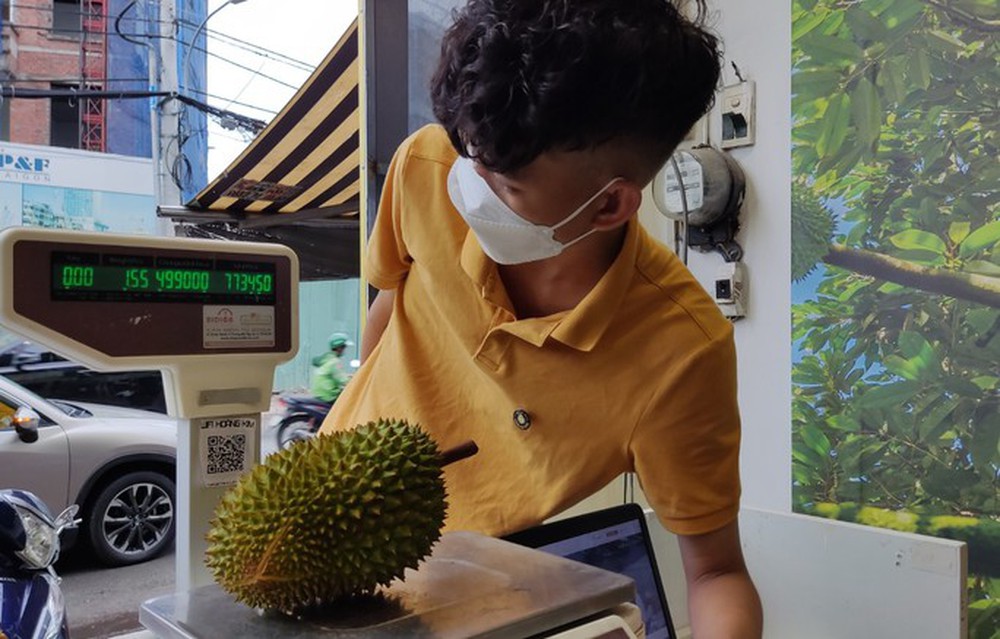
(967, 286)
(970, 20)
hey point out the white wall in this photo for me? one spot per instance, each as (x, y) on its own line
(757, 36)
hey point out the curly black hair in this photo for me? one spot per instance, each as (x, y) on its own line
(518, 78)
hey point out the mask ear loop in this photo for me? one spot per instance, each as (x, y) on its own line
(553, 229)
(577, 212)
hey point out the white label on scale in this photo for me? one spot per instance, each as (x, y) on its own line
(238, 326)
(226, 446)
(691, 174)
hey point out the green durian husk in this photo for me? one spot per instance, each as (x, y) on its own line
(812, 231)
(331, 517)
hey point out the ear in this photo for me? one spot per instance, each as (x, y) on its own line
(618, 204)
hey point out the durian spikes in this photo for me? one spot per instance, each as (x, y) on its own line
(330, 517)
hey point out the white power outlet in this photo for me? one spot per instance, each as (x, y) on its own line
(730, 290)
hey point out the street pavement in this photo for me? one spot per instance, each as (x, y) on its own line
(104, 602)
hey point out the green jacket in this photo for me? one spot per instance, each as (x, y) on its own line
(328, 379)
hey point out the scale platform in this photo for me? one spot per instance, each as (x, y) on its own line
(472, 585)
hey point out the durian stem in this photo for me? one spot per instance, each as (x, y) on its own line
(458, 453)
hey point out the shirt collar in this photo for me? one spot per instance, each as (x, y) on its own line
(580, 328)
(583, 326)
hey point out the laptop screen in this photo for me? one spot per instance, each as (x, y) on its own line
(616, 540)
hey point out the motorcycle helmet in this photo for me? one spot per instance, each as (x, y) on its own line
(339, 340)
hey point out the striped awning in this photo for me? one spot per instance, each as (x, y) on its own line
(307, 160)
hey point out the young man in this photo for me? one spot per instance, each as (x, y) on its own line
(521, 304)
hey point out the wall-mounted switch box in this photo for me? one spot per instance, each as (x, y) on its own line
(738, 118)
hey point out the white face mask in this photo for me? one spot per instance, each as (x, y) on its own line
(506, 237)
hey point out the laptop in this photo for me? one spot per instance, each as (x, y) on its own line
(615, 539)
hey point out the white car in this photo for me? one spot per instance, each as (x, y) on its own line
(117, 464)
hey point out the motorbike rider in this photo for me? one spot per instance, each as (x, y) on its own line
(328, 374)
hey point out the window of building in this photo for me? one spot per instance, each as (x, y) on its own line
(66, 18)
(4, 11)
(64, 120)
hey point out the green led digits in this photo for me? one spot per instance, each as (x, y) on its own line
(119, 277)
(178, 280)
(77, 276)
(136, 278)
(253, 283)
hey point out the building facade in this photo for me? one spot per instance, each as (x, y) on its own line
(65, 49)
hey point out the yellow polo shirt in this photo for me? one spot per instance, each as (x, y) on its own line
(641, 376)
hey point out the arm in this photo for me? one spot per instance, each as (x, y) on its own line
(722, 600)
(378, 318)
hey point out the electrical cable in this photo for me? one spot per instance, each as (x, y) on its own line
(118, 24)
(243, 121)
(58, 80)
(259, 50)
(256, 49)
(684, 204)
(240, 66)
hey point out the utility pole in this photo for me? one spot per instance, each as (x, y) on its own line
(166, 135)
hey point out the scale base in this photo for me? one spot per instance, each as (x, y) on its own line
(472, 585)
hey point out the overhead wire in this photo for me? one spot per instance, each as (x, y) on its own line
(181, 167)
(258, 50)
(195, 48)
(245, 45)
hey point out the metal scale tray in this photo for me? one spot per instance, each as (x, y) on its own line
(472, 585)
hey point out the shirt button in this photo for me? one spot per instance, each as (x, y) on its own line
(522, 419)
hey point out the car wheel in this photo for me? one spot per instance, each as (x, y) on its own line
(133, 518)
(294, 429)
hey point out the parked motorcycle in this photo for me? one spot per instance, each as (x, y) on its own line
(301, 420)
(31, 601)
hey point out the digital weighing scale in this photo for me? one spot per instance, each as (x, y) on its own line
(216, 318)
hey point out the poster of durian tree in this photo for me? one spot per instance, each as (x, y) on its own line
(896, 269)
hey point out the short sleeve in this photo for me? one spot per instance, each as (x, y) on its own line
(686, 446)
(387, 260)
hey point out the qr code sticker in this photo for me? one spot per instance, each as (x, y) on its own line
(226, 453)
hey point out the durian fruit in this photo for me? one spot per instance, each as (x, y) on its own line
(330, 517)
(812, 230)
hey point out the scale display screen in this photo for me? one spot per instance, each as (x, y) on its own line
(122, 277)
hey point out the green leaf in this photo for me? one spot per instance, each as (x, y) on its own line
(890, 78)
(902, 11)
(844, 423)
(816, 82)
(894, 394)
(948, 39)
(865, 25)
(892, 287)
(963, 387)
(914, 346)
(867, 111)
(983, 237)
(807, 22)
(982, 267)
(985, 440)
(958, 231)
(825, 48)
(919, 69)
(835, 122)
(935, 422)
(806, 455)
(986, 382)
(907, 369)
(946, 483)
(815, 439)
(915, 239)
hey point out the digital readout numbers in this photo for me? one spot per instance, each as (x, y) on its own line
(182, 280)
